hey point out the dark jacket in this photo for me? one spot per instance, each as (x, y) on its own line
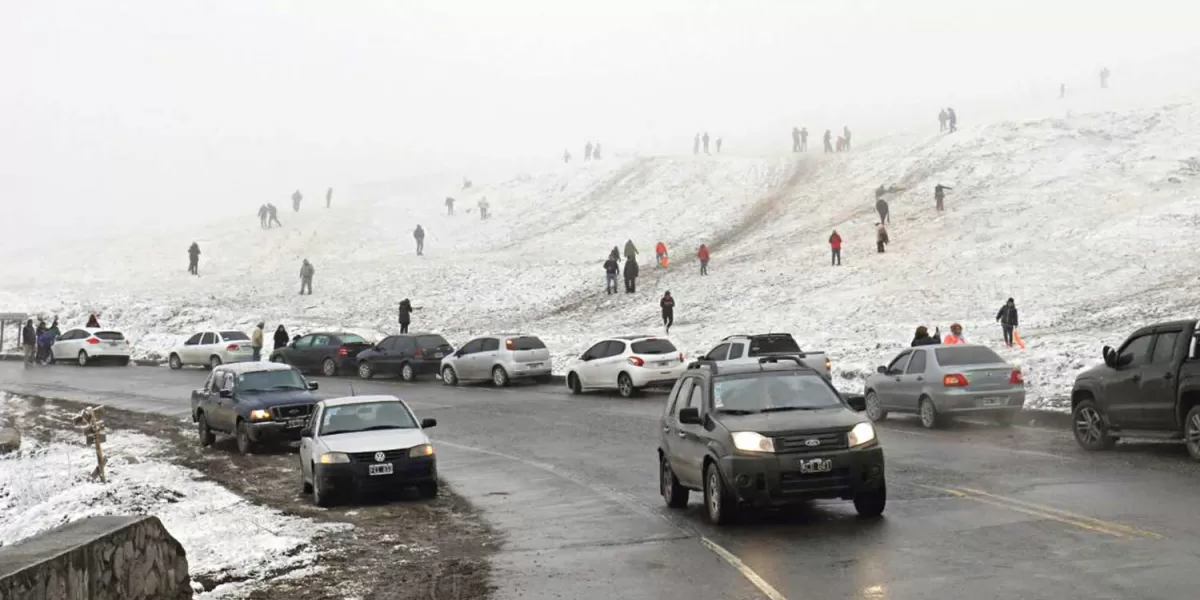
(419, 233)
(615, 254)
(1007, 315)
(928, 340)
(405, 312)
(611, 267)
(631, 269)
(28, 335)
(668, 304)
(194, 251)
(306, 271)
(281, 337)
(881, 206)
(93, 322)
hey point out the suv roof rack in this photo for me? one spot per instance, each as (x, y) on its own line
(704, 362)
(775, 358)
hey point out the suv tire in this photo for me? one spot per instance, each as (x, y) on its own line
(870, 504)
(499, 376)
(574, 385)
(1191, 432)
(407, 373)
(365, 371)
(449, 377)
(175, 362)
(1090, 428)
(718, 504)
(207, 437)
(244, 444)
(675, 495)
(930, 419)
(625, 386)
(874, 410)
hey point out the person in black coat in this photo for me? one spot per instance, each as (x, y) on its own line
(611, 268)
(406, 310)
(194, 259)
(668, 310)
(1008, 320)
(93, 322)
(631, 273)
(281, 337)
(922, 338)
(28, 341)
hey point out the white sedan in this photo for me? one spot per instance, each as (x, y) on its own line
(626, 364)
(87, 346)
(212, 349)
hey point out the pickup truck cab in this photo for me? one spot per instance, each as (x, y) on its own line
(1149, 387)
(747, 349)
(255, 402)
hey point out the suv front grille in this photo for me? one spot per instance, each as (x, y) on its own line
(388, 456)
(793, 481)
(798, 442)
(291, 411)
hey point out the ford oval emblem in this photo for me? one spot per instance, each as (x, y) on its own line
(379, 457)
(812, 442)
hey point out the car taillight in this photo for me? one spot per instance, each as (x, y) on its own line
(343, 351)
(954, 380)
(509, 345)
(636, 361)
(1016, 377)
(232, 347)
(417, 353)
(93, 340)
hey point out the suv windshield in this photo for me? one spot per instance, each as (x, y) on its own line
(527, 342)
(231, 336)
(768, 344)
(769, 392)
(967, 355)
(350, 338)
(367, 416)
(653, 347)
(258, 381)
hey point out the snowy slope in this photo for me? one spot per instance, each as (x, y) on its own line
(1085, 219)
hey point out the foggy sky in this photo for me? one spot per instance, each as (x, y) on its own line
(172, 106)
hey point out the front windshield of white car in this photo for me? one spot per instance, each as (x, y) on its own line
(366, 416)
(772, 392)
(262, 381)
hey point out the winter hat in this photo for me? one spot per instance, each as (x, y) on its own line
(922, 330)
(1011, 301)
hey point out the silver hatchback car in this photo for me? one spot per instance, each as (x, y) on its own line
(500, 358)
(940, 381)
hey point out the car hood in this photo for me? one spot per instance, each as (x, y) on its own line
(279, 397)
(793, 420)
(375, 441)
(1095, 372)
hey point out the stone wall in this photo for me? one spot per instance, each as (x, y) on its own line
(99, 558)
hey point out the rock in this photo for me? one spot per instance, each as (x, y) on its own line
(10, 440)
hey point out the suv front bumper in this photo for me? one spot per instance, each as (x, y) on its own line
(776, 479)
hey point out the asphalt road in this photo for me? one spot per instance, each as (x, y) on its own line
(975, 511)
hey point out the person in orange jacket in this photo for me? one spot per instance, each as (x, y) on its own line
(955, 336)
(835, 244)
(703, 254)
(660, 250)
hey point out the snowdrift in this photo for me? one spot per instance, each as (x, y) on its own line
(1085, 220)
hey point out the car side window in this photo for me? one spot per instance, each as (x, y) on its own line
(214, 382)
(736, 351)
(208, 339)
(70, 335)
(1164, 347)
(596, 351)
(674, 395)
(406, 344)
(718, 353)
(305, 341)
(696, 400)
(1138, 350)
(472, 347)
(685, 395)
(319, 341)
(490, 345)
(195, 339)
(899, 363)
(614, 348)
(916, 365)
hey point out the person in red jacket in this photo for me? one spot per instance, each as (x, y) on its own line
(703, 259)
(660, 251)
(835, 244)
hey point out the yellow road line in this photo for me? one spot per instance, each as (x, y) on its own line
(746, 571)
(1134, 531)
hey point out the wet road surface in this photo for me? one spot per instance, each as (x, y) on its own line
(975, 511)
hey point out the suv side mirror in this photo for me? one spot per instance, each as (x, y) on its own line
(882, 370)
(225, 393)
(427, 423)
(312, 385)
(586, 357)
(1110, 356)
(689, 416)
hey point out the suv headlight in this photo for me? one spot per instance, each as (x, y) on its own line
(421, 451)
(861, 434)
(260, 415)
(330, 458)
(750, 441)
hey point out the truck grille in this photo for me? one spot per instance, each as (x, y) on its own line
(292, 411)
(391, 456)
(798, 442)
(809, 482)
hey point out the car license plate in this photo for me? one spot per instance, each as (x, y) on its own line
(997, 401)
(439, 354)
(114, 343)
(534, 366)
(293, 423)
(383, 469)
(816, 465)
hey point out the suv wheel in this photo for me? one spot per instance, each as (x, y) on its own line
(207, 437)
(929, 415)
(174, 362)
(449, 377)
(674, 494)
(499, 376)
(244, 443)
(407, 373)
(365, 371)
(875, 410)
(871, 503)
(574, 385)
(1091, 432)
(625, 386)
(328, 367)
(1191, 432)
(717, 503)
(214, 361)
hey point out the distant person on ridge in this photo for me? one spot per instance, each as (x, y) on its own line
(841, 144)
(93, 322)
(943, 118)
(939, 196)
(587, 152)
(281, 337)
(262, 216)
(804, 139)
(1104, 77)
(1008, 320)
(668, 310)
(828, 141)
(631, 275)
(955, 336)
(835, 246)
(795, 139)
(846, 136)
(718, 145)
(881, 238)
(567, 156)
(256, 342)
(306, 275)
(660, 250)
(1062, 91)
(703, 255)
(419, 235)
(705, 140)
(881, 207)
(952, 117)
(328, 197)
(296, 198)
(483, 208)
(596, 152)
(614, 254)
(405, 312)
(466, 182)
(611, 269)
(194, 259)
(922, 338)
(696, 144)
(449, 206)
(630, 250)
(273, 216)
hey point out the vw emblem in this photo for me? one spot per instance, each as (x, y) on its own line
(812, 442)
(379, 457)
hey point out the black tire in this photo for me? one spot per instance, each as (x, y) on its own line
(499, 376)
(574, 385)
(329, 367)
(124, 362)
(1090, 427)
(875, 411)
(245, 445)
(871, 504)
(214, 361)
(365, 371)
(321, 497)
(625, 386)
(407, 373)
(82, 359)
(174, 362)
(1191, 432)
(449, 377)
(428, 489)
(930, 419)
(675, 495)
(207, 437)
(719, 507)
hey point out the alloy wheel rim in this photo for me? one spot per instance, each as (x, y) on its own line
(497, 377)
(624, 386)
(872, 407)
(927, 412)
(1193, 433)
(448, 375)
(1087, 426)
(714, 495)
(329, 368)
(407, 372)
(364, 370)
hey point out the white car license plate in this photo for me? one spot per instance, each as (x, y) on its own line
(996, 401)
(534, 366)
(383, 469)
(293, 423)
(114, 343)
(816, 465)
(664, 363)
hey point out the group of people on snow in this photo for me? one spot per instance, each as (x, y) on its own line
(1007, 318)
(268, 214)
(948, 120)
(36, 341)
(800, 140)
(702, 140)
(483, 207)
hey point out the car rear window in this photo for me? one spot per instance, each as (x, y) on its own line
(527, 342)
(655, 346)
(350, 338)
(768, 344)
(966, 355)
(230, 336)
(112, 336)
(431, 341)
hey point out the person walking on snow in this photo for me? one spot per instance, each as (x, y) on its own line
(943, 117)
(705, 140)
(466, 183)
(281, 337)
(795, 139)
(93, 322)
(587, 152)
(306, 275)
(828, 141)
(194, 259)
(952, 118)
(256, 342)
(846, 136)
(881, 237)
(1008, 320)
(660, 250)
(596, 152)
(566, 156)
(922, 338)
(703, 255)
(328, 197)
(262, 216)
(835, 246)
(881, 207)
(614, 254)
(611, 269)
(296, 198)
(405, 312)
(668, 310)
(273, 216)
(449, 206)
(696, 144)
(631, 251)
(804, 139)
(28, 342)
(419, 235)
(1104, 77)
(955, 336)
(631, 274)
(718, 145)
(939, 195)
(483, 208)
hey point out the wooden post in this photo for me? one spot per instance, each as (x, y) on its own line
(93, 433)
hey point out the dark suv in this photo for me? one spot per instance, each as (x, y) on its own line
(769, 434)
(407, 355)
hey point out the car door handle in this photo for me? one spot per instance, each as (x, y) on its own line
(682, 434)
(1137, 377)
(666, 430)
(920, 379)
(1168, 376)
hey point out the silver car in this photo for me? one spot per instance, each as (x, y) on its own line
(499, 358)
(940, 381)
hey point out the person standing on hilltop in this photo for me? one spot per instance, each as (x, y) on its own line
(952, 118)
(705, 140)
(718, 145)
(272, 216)
(296, 198)
(1008, 320)
(804, 139)
(631, 251)
(881, 207)
(419, 235)
(631, 275)
(483, 208)
(449, 206)
(194, 259)
(306, 275)
(262, 216)
(566, 156)
(405, 312)
(328, 197)
(828, 141)
(696, 144)
(703, 256)
(846, 136)
(942, 119)
(587, 152)
(939, 196)
(1104, 77)
(611, 268)
(795, 139)
(596, 152)
(668, 310)
(835, 246)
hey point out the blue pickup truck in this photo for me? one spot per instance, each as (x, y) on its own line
(256, 402)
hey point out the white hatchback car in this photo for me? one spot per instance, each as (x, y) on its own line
(212, 349)
(627, 364)
(86, 346)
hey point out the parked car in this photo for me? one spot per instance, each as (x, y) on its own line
(256, 402)
(765, 435)
(747, 349)
(87, 346)
(327, 353)
(366, 444)
(1149, 387)
(501, 358)
(627, 364)
(941, 381)
(211, 349)
(408, 355)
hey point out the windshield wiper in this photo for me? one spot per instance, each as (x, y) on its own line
(287, 387)
(783, 408)
(736, 411)
(378, 427)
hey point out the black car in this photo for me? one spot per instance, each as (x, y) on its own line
(764, 435)
(407, 355)
(256, 402)
(327, 353)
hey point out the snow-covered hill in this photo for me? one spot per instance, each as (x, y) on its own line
(1087, 220)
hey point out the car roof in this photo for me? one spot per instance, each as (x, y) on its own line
(94, 329)
(254, 367)
(742, 369)
(644, 336)
(348, 400)
(333, 333)
(410, 334)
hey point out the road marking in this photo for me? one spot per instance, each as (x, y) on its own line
(747, 572)
(982, 446)
(1134, 531)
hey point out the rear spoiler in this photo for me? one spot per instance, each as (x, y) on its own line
(801, 354)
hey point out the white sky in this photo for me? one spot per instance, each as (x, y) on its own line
(177, 106)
